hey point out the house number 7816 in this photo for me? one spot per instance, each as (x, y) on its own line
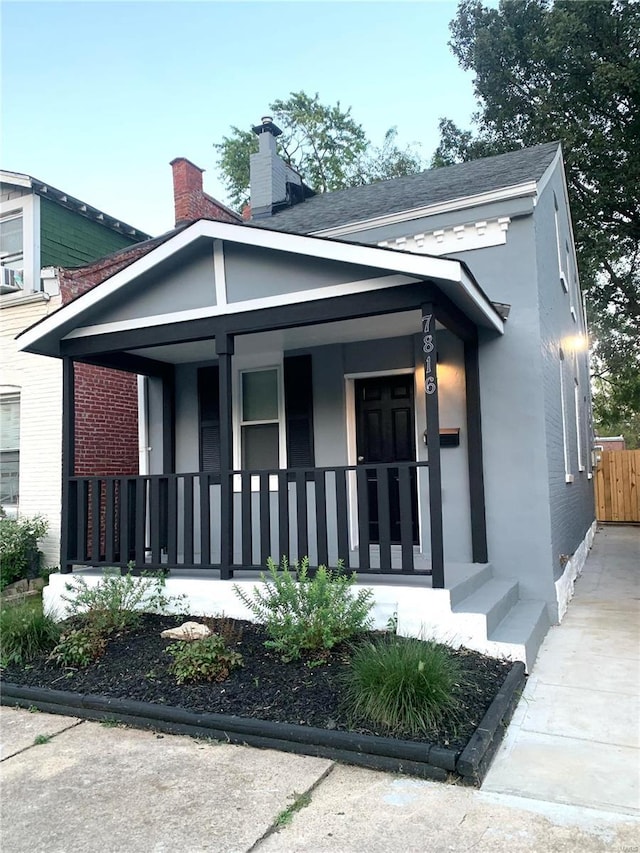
(428, 347)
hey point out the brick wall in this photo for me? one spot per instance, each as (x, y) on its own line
(106, 400)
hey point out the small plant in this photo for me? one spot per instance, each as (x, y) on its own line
(286, 816)
(229, 629)
(25, 632)
(40, 739)
(117, 601)
(79, 647)
(405, 685)
(392, 623)
(19, 554)
(207, 659)
(307, 614)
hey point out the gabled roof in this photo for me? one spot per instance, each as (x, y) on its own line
(464, 180)
(44, 190)
(451, 276)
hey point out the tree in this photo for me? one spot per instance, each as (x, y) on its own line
(570, 71)
(323, 143)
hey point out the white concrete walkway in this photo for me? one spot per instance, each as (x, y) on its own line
(575, 736)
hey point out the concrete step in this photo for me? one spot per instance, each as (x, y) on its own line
(463, 579)
(520, 634)
(488, 605)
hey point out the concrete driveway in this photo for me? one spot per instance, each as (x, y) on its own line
(70, 786)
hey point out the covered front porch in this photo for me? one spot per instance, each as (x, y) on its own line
(292, 408)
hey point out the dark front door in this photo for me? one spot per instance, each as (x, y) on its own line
(385, 433)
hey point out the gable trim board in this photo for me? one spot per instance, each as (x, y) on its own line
(453, 206)
(451, 276)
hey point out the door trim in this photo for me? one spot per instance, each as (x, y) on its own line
(419, 415)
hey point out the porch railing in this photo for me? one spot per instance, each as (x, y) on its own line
(364, 515)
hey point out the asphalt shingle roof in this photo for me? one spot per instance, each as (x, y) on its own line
(330, 210)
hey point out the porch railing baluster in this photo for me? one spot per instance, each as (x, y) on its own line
(383, 478)
(123, 549)
(140, 521)
(321, 518)
(95, 486)
(363, 518)
(109, 520)
(82, 519)
(247, 534)
(188, 519)
(154, 520)
(342, 516)
(172, 520)
(283, 515)
(301, 513)
(205, 521)
(265, 520)
(406, 519)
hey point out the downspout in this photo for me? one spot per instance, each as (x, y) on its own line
(143, 426)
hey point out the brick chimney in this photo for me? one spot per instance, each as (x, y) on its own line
(274, 184)
(190, 201)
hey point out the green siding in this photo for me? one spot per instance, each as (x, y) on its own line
(69, 239)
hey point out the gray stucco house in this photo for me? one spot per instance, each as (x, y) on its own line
(394, 376)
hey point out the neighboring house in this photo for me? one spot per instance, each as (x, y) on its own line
(611, 442)
(53, 249)
(41, 229)
(394, 376)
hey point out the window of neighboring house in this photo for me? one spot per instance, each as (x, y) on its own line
(568, 476)
(260, 418)
(9, 449)
(12, 251)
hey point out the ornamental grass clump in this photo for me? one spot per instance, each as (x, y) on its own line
(307, 614)
(408, 686)
(26, 631)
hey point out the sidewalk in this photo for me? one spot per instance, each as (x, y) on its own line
(90, 788)
(575, 736)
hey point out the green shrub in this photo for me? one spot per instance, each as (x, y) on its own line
(19, 554)
(25, 632)
(207, 659)
(405, 685)
(307, 614)
(79, 647)
(117, 601)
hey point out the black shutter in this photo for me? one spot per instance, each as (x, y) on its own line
(298, 404)
(209, 413)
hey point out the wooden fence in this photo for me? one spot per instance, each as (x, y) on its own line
(618, 486)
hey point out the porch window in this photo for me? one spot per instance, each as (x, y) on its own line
(9, 449)
(260, 419)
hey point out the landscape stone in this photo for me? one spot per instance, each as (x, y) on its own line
(187, 631)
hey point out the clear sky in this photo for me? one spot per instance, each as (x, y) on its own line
(98, 98)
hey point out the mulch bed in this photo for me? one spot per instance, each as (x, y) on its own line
(135, 666)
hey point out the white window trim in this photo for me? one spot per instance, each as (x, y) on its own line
(568, 476)
(576, 393)
(29, 207)
(253, 364)
(13, 393)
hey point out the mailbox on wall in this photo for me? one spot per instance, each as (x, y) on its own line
(449, 437)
